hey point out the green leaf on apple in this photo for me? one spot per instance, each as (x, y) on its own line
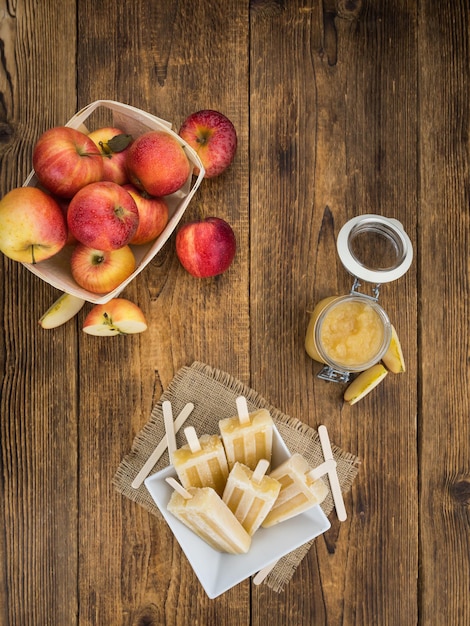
(118, 143)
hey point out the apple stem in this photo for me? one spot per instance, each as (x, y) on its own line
(33, 260)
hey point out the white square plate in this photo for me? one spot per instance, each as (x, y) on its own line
(217, 571)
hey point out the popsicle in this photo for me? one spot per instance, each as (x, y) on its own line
(162, 446)
(250, 495)
(300, 488)
(205, 513)
(201, 462)
(247, 437)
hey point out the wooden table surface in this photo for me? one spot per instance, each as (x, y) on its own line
(341, 108)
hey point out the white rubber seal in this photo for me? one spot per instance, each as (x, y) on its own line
(393, 230)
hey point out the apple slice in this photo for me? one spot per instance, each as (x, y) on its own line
(364, 383)
(63, 309)
(117, 317)
(393, 359)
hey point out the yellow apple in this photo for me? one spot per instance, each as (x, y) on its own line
(61, 311)
(364, 383)
(101, 271)
(393, 358)
(32, 225)
(117, 317)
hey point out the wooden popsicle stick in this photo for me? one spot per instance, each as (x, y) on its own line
(315, 474)
(260, 470)
(332, 475)
(179, 488)
(242, 410)
(192, 439)
(261, 575)
(321, 470)
(169, 428)
(162, 446)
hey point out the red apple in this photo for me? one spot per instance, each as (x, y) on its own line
(213, 137)
(153, 215)
(206, 248)
(117, 317)
(101, 271)
(32, 225)
(113, 144)
(157, 163)
(103, 216)
(65, 160)
(64, 205)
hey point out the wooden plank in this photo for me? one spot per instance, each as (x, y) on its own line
(333, 119)
(170, 59)
(38, 547)
(444, 314)
(341, 108)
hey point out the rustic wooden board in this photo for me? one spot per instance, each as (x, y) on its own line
(341, 108)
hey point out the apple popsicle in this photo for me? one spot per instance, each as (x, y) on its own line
(300, 488)
(250, 495)
(204, 512)
(201, 462)
(247, 437)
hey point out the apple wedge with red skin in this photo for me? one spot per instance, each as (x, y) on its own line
(117, 317)
(101, 271)
(157, 163)
(32, 225)
(103, 215)
(213, 137)
(65, 160)
(113, 144)
(153, 215)
(207, 247)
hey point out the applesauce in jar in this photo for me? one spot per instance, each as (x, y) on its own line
(348, 333)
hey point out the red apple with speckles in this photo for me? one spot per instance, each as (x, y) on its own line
(157, 163)
(153, 215)
(206, 248)
(213, 137)
(103, 215)
(65, 160)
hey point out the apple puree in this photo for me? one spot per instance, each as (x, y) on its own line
(347, 332)
(352, 333)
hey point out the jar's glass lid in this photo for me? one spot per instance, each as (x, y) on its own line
(375, 249)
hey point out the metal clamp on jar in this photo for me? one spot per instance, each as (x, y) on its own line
(350, 333)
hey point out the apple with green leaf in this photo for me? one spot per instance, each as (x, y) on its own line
(113, 144)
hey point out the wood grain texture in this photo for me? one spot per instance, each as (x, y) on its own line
(444, 316)
(342, 107)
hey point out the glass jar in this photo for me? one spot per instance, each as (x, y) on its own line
(350, 333)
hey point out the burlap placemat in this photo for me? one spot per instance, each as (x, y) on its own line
(213, 394)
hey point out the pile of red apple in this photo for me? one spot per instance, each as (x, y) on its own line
(105, 192)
